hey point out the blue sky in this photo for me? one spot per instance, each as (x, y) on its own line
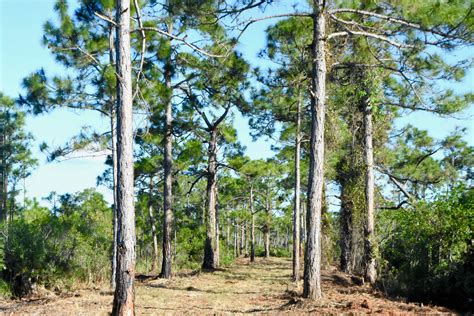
(21, 52)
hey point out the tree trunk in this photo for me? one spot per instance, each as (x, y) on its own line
(113, 125)
(113, 135)
(296, 209)
(242, 239)
(252, 229)
(218, 232)
(346, 229)
(236, 238)
(124, 292)
(209, 261)
(312, 267)
(168, 180)
(369, 258)
(154, 262)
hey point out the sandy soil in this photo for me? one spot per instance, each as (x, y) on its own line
(262, 287)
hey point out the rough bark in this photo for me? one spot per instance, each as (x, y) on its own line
(369, 247)
(209, 261)
(168, 180)
(296, 209)
(124, 291)
(312, 267)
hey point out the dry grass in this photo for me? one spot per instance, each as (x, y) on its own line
(262, 287)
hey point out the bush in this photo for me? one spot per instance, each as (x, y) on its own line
(58, 248)
(428, 254)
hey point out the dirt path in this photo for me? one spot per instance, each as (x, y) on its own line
(262, 287)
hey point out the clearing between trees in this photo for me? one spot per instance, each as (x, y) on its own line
(243, 287)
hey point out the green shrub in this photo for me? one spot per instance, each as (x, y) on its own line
(58, 248)
(428, 252)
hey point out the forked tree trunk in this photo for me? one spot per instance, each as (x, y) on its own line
(296, 209)
(209, 261)
(124, 292)
(168, 180)
(369, 242)
(154, 262)
(312, 266)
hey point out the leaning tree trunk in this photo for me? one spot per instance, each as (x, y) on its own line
(252, 228)
(369, 247)
(124, 292)
(209, 261)
(168, 180)
(312, 266)
(296, 209)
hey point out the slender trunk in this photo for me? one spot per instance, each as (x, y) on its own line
(266, 229)
(168, 180)
(217, 253)
(370, 271)
(209, 261)
(242, 239)
(252, 229)
(124, 291)
(312, 266)
(228, 234)
(3, 194)
(236, 238)
(113, 126)
(346, 229)
(154, 262)
(296, 209)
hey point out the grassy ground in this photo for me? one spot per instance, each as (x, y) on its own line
(261, 287)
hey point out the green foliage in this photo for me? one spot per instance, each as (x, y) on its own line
(427, 252)
(56, 248)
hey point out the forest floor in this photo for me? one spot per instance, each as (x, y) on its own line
(261, 287)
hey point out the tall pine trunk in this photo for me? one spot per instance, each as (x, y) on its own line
(168, 180)
(296, 209)
(218, 232)
(154, 237)
(266, 229)
(124, 291)
(369, 247)
(113, 135)
(252, 228)
(312, 266)
(113, 126)
(209, 261)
